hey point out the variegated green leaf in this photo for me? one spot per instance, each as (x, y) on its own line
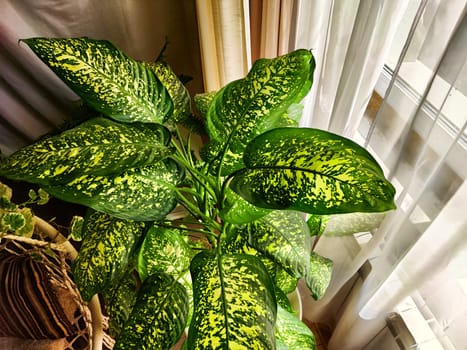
(283, 300)
(293, 115)
(185, 281)
(103, 256)
(106, 78)
(317, 224)
(163, 251)
(238, 211)
(283, 236)
(248, 107)
(76, 228)
(119, 301)
(11, 221)
(5, 192)
(176, 89)
(313, 171)
(42, 197)
(202, 102)
(238, 243)
(292, 333)
(318, 275)
(280, 345)
(158, 318)
(99, 146)
(235, 305)
(285, 281)
(19, 221)
(144, 194)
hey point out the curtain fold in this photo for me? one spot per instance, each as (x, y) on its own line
(427, 161)
(419, 136)
(349, 40)
(223, 28)
(420, 142)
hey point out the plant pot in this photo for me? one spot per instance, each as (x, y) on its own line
(40, 307)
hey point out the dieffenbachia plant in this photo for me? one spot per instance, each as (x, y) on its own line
(211, 240)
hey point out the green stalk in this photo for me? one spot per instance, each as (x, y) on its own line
(188, 229)
(195, 211)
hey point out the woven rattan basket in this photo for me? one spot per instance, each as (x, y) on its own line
(40, 305)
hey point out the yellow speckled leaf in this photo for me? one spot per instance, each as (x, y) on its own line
(119, 301)
(144, 194)
(103, 256)
(248, 107)
(284, 237)
(318, 275)
(175, 88)
(98, 146)
(158, 318)
(106, 78)
(293, 333)
(313, 171)
(235, 305)
(202, 102)
(164, 250)
(238, 211)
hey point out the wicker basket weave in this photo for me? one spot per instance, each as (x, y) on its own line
(40, 305)
(40, 301)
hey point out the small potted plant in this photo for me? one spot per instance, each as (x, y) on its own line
(207, 237)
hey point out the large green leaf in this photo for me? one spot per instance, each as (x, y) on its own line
(106, 78)
(163, 250)
(238, 243)
(103, 256)
(317, 223)
(247, 107)
(292, 333)
(238, 211)
(318, 275)
(283, 236)
(176, 89)
(99, 146)
(185, 281)
(313, 171)
(119, 301)
(235, 306)
(285, 281)
(159, 316)
(202, 102)
(145, 194)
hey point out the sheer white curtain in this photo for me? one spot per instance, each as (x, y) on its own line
(424, 240)
(419, 137)
(350, 40)
(414, 53)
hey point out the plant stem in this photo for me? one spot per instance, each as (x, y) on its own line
(200, 178)
(195, 211)
(206, 233)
